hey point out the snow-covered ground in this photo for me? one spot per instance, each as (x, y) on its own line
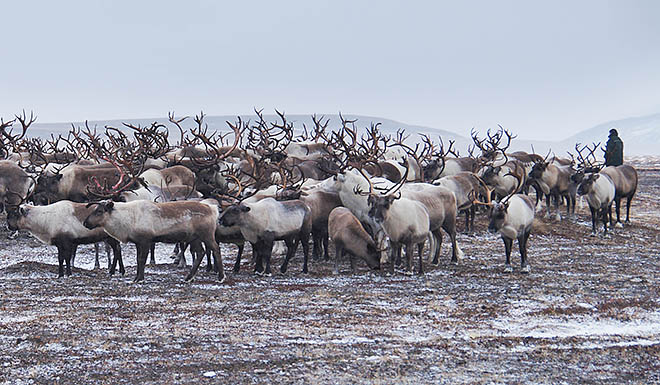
(589, 311)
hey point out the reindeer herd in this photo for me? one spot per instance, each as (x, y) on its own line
(378, 197)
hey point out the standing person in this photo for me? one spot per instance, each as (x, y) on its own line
(614, 149)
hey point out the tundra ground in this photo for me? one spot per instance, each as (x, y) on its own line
(589, 312)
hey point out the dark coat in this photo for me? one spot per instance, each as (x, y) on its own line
(614, 151)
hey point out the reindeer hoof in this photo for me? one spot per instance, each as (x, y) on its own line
(508, 269)
(222, 280)
(525, 269)
(619, 225)
(593, 235)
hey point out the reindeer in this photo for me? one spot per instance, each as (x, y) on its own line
(60, 224)
(442, 166)
(624, 178)
(555, 181)
(512, 217)
(145, 222)
(464, 185)
(502, 179)
(175, 175)
(600, 192)
(349, 235)
(15, 184)
(268, 220)
(321, 204)
(401, 221)
(156, 193)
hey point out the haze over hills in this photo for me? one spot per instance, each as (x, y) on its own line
(641, 135)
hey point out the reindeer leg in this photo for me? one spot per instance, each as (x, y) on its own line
(210, 244)
(237, 264)
(394, 246)
(420, 251)
(316, 250)
(175, 253)
(351, 258)
(304, 239)
(97, 265)
(108, 251)
(180, 261)
(116, 250)
(142, 251)
(409, 256)
(397, 254)
(628, 200)
(60, 260)
(152, 251)
(258, 257)
(197, 261)
(618, 214)
(508, 243)
(268, 249)
(291, 247)
(71, 252)
(326, 240)
(436, 252)
(339, 249)
(594, 215)
(522, 244)
(455, 250)
(207, 253)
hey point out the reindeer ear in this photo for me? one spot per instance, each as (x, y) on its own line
(22, 211)
(245, 209)
(109, 205)
(58, 177)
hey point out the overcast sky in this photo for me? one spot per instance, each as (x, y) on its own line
(542, 69)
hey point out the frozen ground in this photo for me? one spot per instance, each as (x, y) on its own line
(589, 312)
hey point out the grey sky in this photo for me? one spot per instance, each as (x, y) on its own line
(543, 69)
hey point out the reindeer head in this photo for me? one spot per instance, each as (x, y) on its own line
(47, 183)
(587, 183)
(379, 205)
(498, 216)
(232, 215)
(538, 169)
(491, 173)
(431, 169)
(16, 216)
(100, 215)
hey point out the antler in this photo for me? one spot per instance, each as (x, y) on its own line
(177, 123)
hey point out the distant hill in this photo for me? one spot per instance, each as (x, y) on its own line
(641, 135)
(219, 123)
